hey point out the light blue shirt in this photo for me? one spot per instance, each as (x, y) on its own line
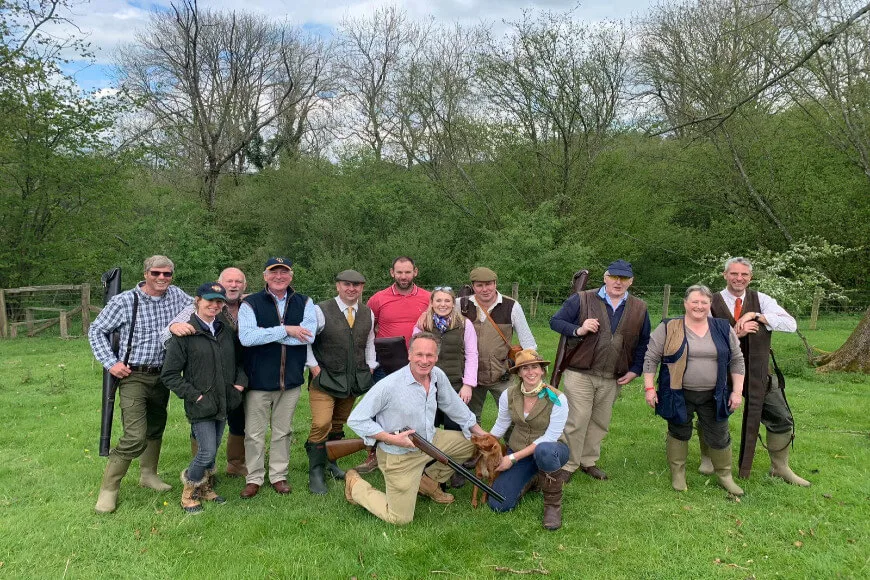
(603, 293)
(398, 401)
(252, 335)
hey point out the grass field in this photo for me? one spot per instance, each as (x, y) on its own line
(632, 526)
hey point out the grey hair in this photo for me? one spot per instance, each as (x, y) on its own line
(158, 261)
(428, 336)
(698, 288)
(738, 260)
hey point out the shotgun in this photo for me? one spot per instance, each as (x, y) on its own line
(111, 286)
(339, 448)
(578, 283)
(442, 457)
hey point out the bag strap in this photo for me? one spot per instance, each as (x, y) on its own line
(132, 326)
(497, 329)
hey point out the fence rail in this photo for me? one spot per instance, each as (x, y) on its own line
(29, 310)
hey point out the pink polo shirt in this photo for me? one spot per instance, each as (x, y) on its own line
(396, 314)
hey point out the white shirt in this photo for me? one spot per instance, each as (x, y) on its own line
(518, 321)
(776, 316)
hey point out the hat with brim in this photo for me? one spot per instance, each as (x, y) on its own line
(526, 357)
(212, 291)
(350, 276)
(279, 262)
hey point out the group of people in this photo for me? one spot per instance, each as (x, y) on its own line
(239, 360)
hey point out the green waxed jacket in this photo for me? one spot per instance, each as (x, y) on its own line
(202, 364)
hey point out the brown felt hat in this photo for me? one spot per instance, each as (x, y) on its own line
(526, 357)
(482, 274)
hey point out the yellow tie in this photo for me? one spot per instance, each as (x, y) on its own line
(349, 315)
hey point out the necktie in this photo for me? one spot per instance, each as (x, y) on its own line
(349, 315)
(738, 308)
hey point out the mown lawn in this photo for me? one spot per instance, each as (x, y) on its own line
(632, 526)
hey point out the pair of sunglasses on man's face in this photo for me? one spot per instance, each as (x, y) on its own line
(160, 273)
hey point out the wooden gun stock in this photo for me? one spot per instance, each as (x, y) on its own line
(578, 283)
(343, 447)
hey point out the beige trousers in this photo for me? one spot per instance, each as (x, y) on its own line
(262, 409)
(590, 407)
(402, 475)
(328, 414)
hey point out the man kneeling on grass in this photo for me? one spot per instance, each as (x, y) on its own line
(409, 398)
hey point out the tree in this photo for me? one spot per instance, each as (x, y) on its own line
(216, 80)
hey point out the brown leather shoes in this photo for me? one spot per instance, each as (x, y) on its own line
(351, 478)
(250, 491)
(370, 464)
(431, 489)
(281, 487)
(593, 471)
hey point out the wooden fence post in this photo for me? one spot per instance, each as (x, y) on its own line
(63, 319)
(28, 319)
(515, 291)
(814, 314)
(86, 311)
(666, 300)
(4, 330)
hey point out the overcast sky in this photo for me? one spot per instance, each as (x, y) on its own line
(110, 22)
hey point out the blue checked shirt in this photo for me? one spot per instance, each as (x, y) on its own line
(154, 315)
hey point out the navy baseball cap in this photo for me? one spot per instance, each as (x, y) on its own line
(620, 268)
(212, 291)
(273, 263)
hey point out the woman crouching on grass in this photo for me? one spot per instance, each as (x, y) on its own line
(205, 370)
(538, 413)
(698, 355)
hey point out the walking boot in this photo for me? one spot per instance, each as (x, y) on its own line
(778, 447)
(706, 467)
(107, 500)
(370, 464)
(551, 487)
(189, 496)
(205, 488)
(236, 456)
(431, 489)
(148, 467)
(316, 463)
(722, 459)
(677, 452)
(350, 480)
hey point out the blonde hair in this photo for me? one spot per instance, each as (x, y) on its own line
(425, 322)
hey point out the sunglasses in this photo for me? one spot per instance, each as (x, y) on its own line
(159, 273)
(620, 278)
(444, 288)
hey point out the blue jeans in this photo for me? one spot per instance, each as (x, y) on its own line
(548, 457)
(208, 436)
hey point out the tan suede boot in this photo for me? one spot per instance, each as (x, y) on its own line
(189, 498)
(205, 489)
(148, 467)
(778, 447)
(430, 488)
(722, 464)
(236, 456)
(677, 452)
(107, 501)
(551, 488)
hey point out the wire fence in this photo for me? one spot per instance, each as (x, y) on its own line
(46, 307)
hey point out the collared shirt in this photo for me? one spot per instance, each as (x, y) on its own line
(776, 316)
(398, 401)
(518, 320)
(211, 326)
(371, 359)
(558, 418)
(153, 315)
(602, 292)
(395, 313)
(252, 335)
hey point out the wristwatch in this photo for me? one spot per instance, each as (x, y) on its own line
(513, 459)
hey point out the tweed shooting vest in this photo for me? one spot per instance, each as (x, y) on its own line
(527, 429)
(341, 351)
(492, 350)
(608, 353)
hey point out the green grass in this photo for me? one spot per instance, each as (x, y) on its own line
(633, 526)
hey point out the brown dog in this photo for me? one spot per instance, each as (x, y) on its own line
(489, 454)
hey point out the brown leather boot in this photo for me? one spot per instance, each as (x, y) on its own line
(370, 464)
(551, 487)
(205, 489)
(431, 489)
(236, 456)
(189, 498)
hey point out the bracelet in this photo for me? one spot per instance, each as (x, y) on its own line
(649, 388)
(513, 459)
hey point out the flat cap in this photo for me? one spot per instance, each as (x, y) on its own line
(350, 276)
(482, 274)
(620, 268)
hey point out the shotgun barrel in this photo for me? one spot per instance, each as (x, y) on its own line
(111, 286)
(578, 283)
